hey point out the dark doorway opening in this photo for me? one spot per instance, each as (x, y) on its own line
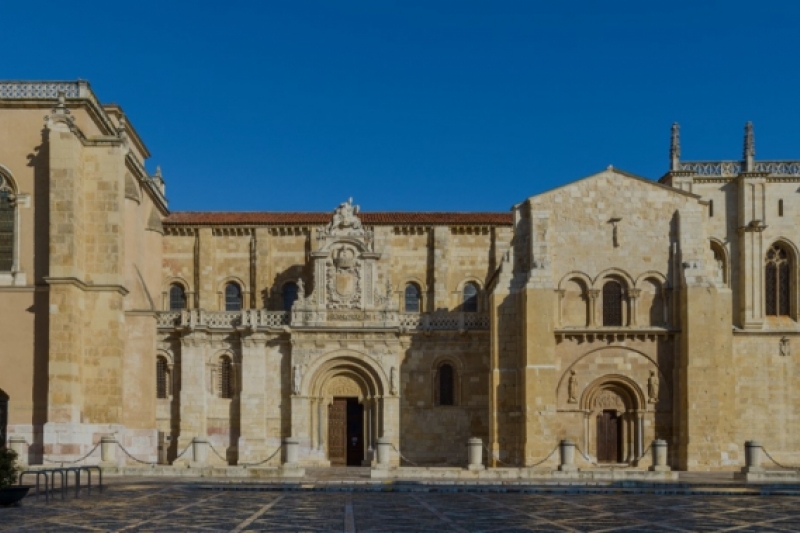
(3, 417)
(346, 432)
(609, 437)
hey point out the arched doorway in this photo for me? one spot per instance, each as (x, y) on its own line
(347, 402)
(614, 425)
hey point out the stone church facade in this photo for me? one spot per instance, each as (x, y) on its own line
(612, 311)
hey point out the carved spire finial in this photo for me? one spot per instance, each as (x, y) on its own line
(675, 145)
(749, 152)
(158, 171)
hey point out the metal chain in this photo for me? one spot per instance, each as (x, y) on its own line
(265, 460)
(71, 462)
(776, 462)
(121, 447)
(545, 459)
(217, 453)
(183, 452)
(406, 459)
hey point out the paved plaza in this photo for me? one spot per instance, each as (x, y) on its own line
(136, 505)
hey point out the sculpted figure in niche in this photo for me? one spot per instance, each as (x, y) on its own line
(297, 378)
(652, 387)
(784, 347)
(301, 290)
(393, 380)
(572, 388)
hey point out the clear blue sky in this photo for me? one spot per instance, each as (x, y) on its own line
(418, 105)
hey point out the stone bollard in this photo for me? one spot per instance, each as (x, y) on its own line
(19, 445)
(567, 449)
(475, 454)
(199, 451)
(752, 457)
(292, 446)
(384, 446)
(108, 451)
(659, 448)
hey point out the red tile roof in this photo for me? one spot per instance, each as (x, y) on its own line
(196, 218)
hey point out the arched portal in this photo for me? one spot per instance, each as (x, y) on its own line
(614, 425)
(345, 397)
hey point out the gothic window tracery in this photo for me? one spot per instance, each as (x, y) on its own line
(7, 223)
(412, 298)
(233, 297)
(777, 281)
(470, 298)
(177, 297)
(612, 304)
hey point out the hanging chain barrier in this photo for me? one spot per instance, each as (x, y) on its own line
(45, 459)
(786, 467)
(545, 459)
(126, 452)
(183, 452)
(247, 465)
(225, 459)
(403, 457)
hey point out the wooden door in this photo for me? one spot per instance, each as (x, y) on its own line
(609, 428)
(337, 432)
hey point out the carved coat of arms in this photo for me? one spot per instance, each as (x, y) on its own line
(344, 279)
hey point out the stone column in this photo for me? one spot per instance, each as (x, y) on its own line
(384, 452)
(752, 457)
(253, 400)
(391, 424)
(593, 294)
(108, 448)
(475, 454)
(634, 294)
(560, 316)
(659, 448)
(194, 390)
(751, 224)
(567, 451)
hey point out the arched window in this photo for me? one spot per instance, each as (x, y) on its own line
(233, 297)
(177, 297)
(289, 295)
(777, 281)
(3, 417)
(446, 384)
(612, 304)
(225, 377)
(470, 304)
(411, 296)
(162, 377)
(7, 223)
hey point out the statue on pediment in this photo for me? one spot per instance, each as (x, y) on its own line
(345, 221)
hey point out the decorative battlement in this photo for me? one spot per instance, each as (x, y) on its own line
(43, 89)
(261, 318)
(731, 169)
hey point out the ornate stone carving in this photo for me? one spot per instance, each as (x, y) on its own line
(652, 387)
(345, 222)
(785, 348)
(344, 283)
(297, 379)
(609, 400)
(393, 380)
(343, 386)
(572, 388)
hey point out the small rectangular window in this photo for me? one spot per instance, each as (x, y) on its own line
(780, 208)
(711, 208)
